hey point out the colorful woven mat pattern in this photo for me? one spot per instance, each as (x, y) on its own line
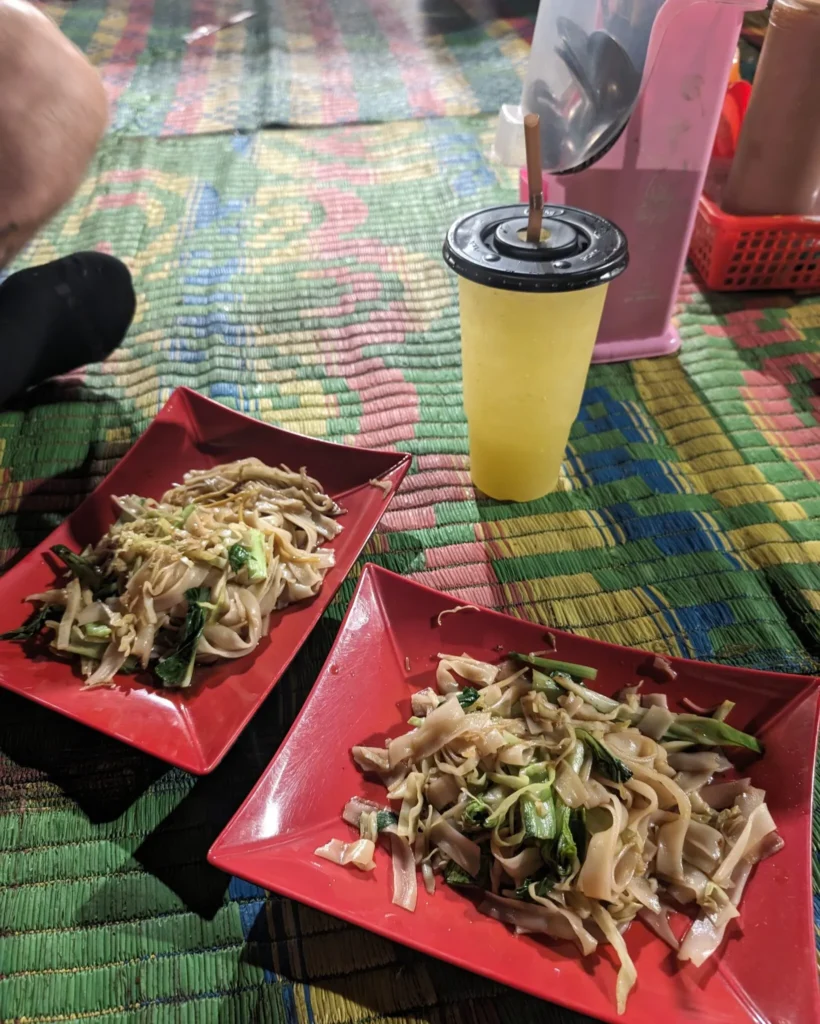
(297, 276)
(299, 62)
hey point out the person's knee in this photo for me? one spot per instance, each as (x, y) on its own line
(53, 113)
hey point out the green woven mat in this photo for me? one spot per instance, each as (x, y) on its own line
(299, 62)
(297, 276)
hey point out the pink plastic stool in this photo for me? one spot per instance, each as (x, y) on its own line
(650, 181)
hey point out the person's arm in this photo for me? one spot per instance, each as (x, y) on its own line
(53, 113)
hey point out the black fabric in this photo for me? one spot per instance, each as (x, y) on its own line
(60, 316)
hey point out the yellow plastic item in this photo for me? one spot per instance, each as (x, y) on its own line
(525, 359)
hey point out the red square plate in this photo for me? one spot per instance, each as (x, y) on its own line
(194, 729)
(766, 974)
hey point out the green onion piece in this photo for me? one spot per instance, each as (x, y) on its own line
(550, 665)
(86, 572)
(711, 732)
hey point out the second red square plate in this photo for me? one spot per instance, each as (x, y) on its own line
(765, 971)
(193, 729)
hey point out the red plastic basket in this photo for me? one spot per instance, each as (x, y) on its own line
(735, 254)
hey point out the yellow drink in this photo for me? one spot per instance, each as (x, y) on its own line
(530, 313)
(525, 359)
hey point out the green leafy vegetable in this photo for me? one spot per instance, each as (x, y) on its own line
(710, 732)
(542, 887)
(563, 850)
(475, 814)
(176, 669)
(578, 828)
(131, 665)
(384, 819)
(109, 587)
(238, 556)
(550, 665)
(538, 816)
(34, 624)
(415, 721)
(603, 760)
(85, 571)
(456, 875)
(467, 696)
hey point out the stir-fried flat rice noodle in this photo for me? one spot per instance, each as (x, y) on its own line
(194, 577)
(573, 811)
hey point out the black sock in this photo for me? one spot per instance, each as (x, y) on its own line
(61, 316)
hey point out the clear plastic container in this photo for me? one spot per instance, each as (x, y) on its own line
(583, 78)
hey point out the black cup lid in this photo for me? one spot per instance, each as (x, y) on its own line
(577, 249)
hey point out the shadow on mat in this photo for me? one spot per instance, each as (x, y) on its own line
(102, 776)
(176, 851)
(402, 983)
(45, 507)
(105, 777)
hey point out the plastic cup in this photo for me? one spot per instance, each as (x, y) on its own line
(530, 314)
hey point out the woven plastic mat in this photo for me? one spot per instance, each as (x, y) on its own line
(299, 62)
(297, 276)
